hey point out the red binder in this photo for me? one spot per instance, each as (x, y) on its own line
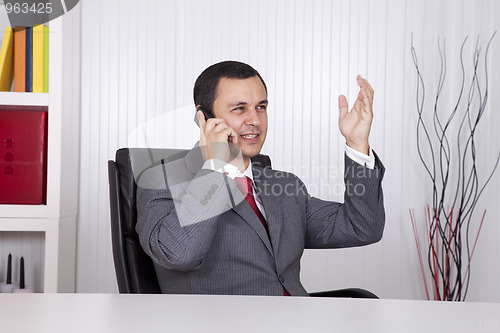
(23, 156)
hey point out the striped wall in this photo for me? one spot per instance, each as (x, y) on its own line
(140, 60)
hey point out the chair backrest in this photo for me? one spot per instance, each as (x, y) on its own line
(134, 269)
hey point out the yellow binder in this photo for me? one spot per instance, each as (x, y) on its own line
(7, 60)
(40, 55)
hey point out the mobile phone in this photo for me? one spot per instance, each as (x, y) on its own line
(205, 113)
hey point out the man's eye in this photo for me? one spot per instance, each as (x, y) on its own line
(262, 107)
(239, 108)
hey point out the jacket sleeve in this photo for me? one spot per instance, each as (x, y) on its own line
(359, 220)
(177, 218)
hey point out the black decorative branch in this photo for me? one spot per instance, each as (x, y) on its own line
(449, 251)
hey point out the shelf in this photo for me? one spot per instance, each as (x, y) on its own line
(34, 224)
(20, 224)
(23, 211)
(21, 99)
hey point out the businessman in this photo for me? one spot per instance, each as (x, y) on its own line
(214, 222)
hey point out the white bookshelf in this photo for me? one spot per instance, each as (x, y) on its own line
(56, 220)
(32, 99)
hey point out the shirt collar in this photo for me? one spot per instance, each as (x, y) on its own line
(248, 171)
(233, 172)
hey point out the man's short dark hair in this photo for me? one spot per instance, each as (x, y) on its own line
(205, 87)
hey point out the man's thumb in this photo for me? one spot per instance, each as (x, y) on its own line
(343, 106)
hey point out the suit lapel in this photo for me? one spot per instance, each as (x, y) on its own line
(272, 206)
(246, 212)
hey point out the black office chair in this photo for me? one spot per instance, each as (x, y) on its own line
(134, 269)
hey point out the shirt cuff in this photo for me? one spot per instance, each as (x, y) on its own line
(360, 158)
(221, 166)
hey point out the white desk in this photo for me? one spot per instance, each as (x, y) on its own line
(109, 313)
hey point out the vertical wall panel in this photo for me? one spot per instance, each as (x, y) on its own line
(140, 60)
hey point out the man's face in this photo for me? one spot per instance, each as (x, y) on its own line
(242, 103)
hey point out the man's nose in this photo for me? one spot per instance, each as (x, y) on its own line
(252, 117)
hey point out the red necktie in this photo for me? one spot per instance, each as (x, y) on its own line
(244, 184)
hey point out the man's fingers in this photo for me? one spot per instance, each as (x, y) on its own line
(233, 136)
(364, 84)
(343, 106)
(366, 94)
(228, 132)
(211, 123)
(367, 107)
(217, 127)
(201, 121)
(360, 101)
(220, 127)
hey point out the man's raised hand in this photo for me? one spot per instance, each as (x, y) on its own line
(355, 125)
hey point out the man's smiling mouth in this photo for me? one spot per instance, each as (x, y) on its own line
(249, 136)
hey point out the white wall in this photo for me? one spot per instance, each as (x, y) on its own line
(139, 63)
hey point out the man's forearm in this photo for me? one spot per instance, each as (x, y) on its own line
(176, 223)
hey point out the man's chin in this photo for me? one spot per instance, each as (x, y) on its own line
(249, 153)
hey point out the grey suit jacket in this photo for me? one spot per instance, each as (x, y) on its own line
(204, 238)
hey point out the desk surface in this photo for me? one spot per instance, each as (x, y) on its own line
(95, 313)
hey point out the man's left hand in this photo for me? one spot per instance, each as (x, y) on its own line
(355, 125)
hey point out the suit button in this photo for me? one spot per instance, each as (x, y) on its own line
(203, 202)
(281, 278)
(214, 187)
